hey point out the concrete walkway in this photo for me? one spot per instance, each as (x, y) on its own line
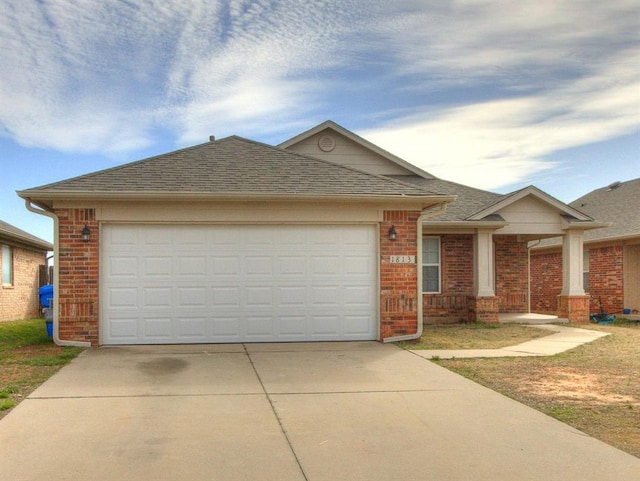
(286, 412)
(563, 339)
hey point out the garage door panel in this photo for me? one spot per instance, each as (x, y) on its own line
(226, 266)
(259, 326)
(258, 296)
(157, 267)
(124, 330)
(192, 328)
(225, 297)
(122, 267)
(355, 326)
(292, 326)
(293, 266)
(192, 297)
(324, 326)
(357, 296)
(192, 267)
(155, 297)
(325, 296)
(238, 283)
(325, 266)
(157, 327)
(292, 296)
(122, 298)
(357, 266)
(256, 266)
(226, 327)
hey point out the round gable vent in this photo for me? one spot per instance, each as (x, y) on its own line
(326, 143)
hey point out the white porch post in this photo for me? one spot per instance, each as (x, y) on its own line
(572, 263)
(483, 264)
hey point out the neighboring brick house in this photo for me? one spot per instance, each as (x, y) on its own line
(611, 262)
(323, 237)
(22, 256)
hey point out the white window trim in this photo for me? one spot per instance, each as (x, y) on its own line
(11, 278)
(586, 258)
(439, 264)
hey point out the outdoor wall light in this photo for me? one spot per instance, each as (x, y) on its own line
(392, 233)
(86, 233)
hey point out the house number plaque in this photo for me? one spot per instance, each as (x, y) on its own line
(402, 259)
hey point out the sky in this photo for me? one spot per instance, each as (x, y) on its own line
(493, 94)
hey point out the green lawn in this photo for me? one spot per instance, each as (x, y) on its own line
(28, 357)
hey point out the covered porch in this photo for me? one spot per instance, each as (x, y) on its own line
(484, 268)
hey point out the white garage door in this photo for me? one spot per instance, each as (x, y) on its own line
(163, 284)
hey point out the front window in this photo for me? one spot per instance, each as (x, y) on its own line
(431, 265)
(585, 270)
(7, 266)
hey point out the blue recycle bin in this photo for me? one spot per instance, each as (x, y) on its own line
(46, 299)
(46, 295)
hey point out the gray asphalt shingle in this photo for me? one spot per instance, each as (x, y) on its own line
(619, 204)
(233, 165)
(12, 234)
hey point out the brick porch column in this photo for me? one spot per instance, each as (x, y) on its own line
(484, 303)
(573, 303)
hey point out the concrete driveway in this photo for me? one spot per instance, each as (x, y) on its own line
(286, 412)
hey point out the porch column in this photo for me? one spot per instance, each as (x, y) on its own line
(572, 264)
(483, 264)
(484, 304)
(573, 303)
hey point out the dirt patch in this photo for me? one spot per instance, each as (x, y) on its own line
(569, 384)
(594, 388)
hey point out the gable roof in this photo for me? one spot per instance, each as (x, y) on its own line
(615, 205)
(232, 167)
(10, 234)
(472, 206)
(329, 124)
(507, 199)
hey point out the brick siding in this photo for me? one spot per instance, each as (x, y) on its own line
(398, 282)
(511, 273)
(546, 281)
(78, 276)
(21, 301)
(452, 304)
(606, 279)
(456, 302)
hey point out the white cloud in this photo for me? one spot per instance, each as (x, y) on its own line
(537, 76)
(507, 41)
(501, 142)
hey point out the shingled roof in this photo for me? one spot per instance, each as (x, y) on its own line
(230, 166)
(617, 203)
(469, 199)
(10, 234)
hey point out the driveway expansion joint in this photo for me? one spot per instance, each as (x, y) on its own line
(275, 413)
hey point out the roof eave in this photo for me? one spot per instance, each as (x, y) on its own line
(26, 242)
(47, 198)
(489, 224)
(571, 224)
